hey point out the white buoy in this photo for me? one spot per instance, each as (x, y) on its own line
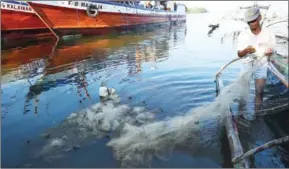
(103, 91)
(106, 92)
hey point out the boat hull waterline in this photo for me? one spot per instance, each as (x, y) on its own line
(71, 18)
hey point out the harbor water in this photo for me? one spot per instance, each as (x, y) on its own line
(167, 71)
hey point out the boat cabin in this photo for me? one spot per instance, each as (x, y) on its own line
(160, 5)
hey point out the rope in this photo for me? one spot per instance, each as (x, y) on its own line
(51, 29)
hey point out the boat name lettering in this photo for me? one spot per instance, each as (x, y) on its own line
(84, 4)
(16, 7)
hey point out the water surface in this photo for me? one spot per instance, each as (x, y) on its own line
(170, 69)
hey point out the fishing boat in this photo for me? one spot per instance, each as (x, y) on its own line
(101, 17)
(18, 21)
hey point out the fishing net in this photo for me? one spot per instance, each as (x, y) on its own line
(136, 136)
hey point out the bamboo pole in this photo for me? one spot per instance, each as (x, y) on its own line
(263, 147)
(223, 67)
(277, 21)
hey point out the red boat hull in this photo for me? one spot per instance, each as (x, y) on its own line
(17, 24)
(70, 21)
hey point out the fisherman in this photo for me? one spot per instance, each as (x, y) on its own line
(256, 41)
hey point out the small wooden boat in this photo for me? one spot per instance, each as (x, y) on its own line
(238, 155)
(278, 66)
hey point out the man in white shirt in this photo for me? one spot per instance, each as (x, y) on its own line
(258, 42)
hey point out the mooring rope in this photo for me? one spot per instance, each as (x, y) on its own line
(46, 24)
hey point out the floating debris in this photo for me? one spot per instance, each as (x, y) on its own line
(45, 135)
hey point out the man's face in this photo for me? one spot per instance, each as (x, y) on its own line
(255, 23)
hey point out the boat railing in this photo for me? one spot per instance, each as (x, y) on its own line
(131, 5)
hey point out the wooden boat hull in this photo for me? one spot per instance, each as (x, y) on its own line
(69, 19)
(18, 21)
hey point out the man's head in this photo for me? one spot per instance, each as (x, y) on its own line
(253, 17)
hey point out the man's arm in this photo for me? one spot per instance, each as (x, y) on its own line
(242, 53)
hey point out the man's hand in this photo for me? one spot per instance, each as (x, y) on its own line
(250, 49)
(269, 52)
(247, 50)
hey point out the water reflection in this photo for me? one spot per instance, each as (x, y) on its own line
(45, 77)
(24, 62)
(45, 66)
